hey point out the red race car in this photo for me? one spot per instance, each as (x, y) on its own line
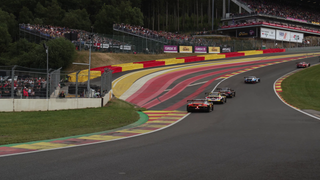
(199, 105)
(303, 65)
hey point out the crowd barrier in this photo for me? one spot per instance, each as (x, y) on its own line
(172, 61)
(162, 62)
(19, 105)
(213, 56)
(248, 53)
(152, 63)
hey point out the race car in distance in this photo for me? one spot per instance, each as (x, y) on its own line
(303, 65)
(216, 97)
(199, 105)
(251, 79)
(226, 91)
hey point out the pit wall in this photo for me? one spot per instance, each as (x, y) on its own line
(18, 105)
(163, 62)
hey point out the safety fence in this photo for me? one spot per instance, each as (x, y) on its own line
(18, 82)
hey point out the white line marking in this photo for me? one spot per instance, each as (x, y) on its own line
(37, 151)
(274, 89)
(195, 84)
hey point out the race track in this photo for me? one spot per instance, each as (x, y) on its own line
(252, 136)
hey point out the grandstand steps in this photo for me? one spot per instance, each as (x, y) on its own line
(131, 34)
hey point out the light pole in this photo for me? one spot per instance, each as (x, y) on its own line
(47, 51)
(91, 36)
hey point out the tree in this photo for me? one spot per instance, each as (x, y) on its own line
(61, 54)
(107, 16)
(25, 16)
(11, 23)
(54, 14)
(130, 15)
(40, 11)
(5, 37)
(77, 19)
(27, 54)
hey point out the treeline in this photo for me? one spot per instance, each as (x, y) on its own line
(167, 15)
(170, 15)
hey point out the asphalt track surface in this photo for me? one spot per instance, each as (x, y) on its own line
(252, 136)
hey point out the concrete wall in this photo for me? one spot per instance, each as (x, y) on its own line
(10, 105)
(107, 97)
(6, 105)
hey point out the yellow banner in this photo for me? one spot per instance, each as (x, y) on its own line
(315, 23)
(185, 49)
(214, 49)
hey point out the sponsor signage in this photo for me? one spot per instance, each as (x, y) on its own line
(300, 20)
(226, 49)
(247, 33)
(214, 49)
(185, 49)
(115, 46)
(170, 49)
(282, 35)
(128, 48)
(267, 33)
(200, 49)
(296, 37)
(104, 46)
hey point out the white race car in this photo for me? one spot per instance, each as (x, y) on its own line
(251, 79)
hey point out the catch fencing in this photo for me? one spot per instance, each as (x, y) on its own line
(25, 83)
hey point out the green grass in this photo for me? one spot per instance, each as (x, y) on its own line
(18, 127)
(302, 89)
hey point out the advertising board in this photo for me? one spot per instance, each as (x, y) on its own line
(226, 49)
(267, 33)
(282, 35)
(104, 46)
(200, 49)
(185, 49)
(214, 49)
(296, 37)
(247, 32)
(170, 49)
(128, 48)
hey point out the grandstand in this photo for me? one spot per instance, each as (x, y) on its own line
(284, 23)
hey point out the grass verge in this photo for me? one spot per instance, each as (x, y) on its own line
(18, 127)
(302, 89)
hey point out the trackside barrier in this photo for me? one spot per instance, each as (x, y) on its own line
(18, 105)
(172, 61)
(248, 53)
(213, 56)
(115, 69)
(192, 59)
(129, 66)
(161, 62)
(233, 54)
(153, 63)
(276, 50)
(83, 76)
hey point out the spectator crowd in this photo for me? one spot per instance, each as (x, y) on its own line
(56, 32)
(163, 36)
(283, 9)
(23, 87)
